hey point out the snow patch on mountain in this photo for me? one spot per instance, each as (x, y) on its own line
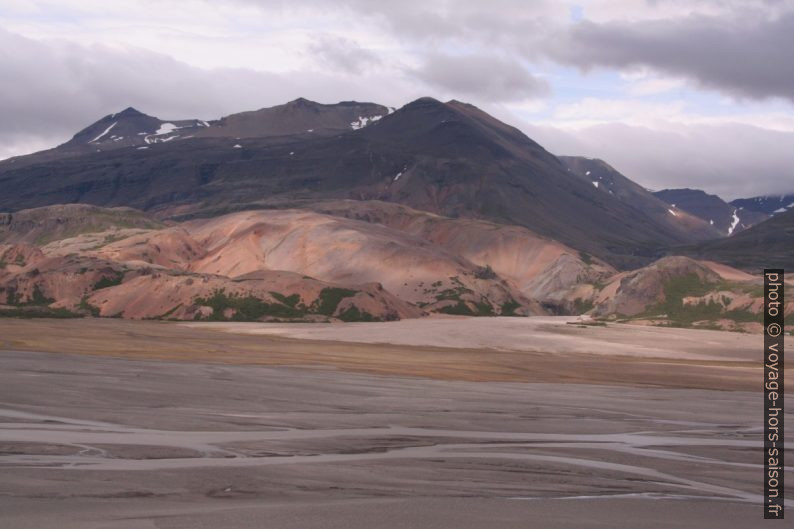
(166, 128)
(363, 121)
(734, 222)
(104, 132)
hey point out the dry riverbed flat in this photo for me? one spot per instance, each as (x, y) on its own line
(437, 423)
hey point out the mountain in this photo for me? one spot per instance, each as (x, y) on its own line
(450, 159)
(635, 291)
(240, 261)
(129, 128)
(769, 244)
(132, 128)
(296, 117)
(340, 260)
(678, 291)
(727, 218)
(42, 225)
(540, 268)
(769, 205)
(606, 179)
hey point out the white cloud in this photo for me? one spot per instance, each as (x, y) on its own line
(591, 111)
(731, 160)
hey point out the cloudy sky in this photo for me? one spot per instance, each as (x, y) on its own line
(673, 93)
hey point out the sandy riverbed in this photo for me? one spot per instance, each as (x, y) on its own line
(167, 426)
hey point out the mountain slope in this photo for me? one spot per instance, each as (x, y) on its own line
(132, 128)
(300, 116)
(153, 268)
(769, 244)
(50, 223)
(727, 218)
(129, 128)
(541, 268)
(447, 158)
(769, 205)
(606, 179)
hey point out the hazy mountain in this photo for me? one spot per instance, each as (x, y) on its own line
(770, 205)
(769, 244)
(727, 218)
(132, 128)
(125, 129)
(606, 179)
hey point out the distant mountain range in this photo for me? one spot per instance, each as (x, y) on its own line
(358, 211)
(132, 128)
(769, 244)
(770, 205)
(446, 158)
(729, 219)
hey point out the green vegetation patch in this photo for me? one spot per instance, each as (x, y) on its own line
(581, 305)
(111, 280)
(680, 315)
(485, 272)
(329, 299)
(484, 309)
(86, 307)
(289, 301)
(509, 307)
(38, 312)
(246, 308)
(251, 308)
(37, 299)
(459, 309)
(353, 313)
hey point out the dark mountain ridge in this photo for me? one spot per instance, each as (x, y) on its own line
(446, 158)
(769, 244)
(729, 219)
(300, 116)
(768, 204)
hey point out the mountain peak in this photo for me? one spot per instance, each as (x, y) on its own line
(425, 101)
(129, 112)
(302, 102)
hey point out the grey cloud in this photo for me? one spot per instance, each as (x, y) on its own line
(423, 21)
(730, 160)
(51, 89)
(343, 54)
(739, 47)
(486, 78)
(745, 55)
